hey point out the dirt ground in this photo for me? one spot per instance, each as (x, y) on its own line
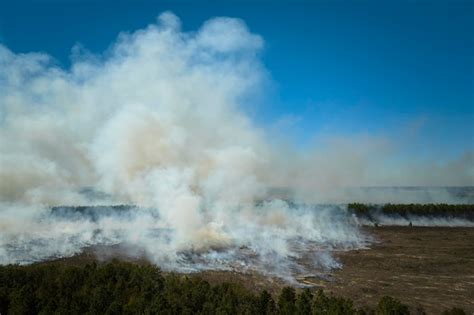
(428, 267)
(431, 268)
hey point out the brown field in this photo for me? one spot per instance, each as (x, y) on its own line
(424, 267)
(428, 267)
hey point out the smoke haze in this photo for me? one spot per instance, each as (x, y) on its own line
(157, 121)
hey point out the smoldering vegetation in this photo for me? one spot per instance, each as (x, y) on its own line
(288, 240)
(161, 121)
(285, 240)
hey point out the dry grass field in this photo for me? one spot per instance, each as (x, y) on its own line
(428, 267)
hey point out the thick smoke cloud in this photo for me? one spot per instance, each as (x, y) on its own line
(157, 122)
(161, 102)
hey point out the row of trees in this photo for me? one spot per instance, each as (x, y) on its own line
(464, 211)
(93, 213)
(126, 288)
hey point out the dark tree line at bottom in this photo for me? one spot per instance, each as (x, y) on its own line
(126, 288)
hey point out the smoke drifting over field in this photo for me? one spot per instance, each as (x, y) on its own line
(272, 238)
(157, 122)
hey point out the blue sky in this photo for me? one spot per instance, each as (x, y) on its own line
(401, 69)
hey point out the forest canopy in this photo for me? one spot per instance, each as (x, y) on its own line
(127, 288)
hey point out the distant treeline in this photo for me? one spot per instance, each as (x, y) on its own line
(126, 288)
(462, 211)
(92, 213)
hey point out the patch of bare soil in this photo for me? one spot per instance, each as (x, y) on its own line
(428, 267)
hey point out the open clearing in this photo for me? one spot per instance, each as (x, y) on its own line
(428, 267)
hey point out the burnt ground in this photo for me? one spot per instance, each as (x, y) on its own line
(427, 267)
(431, 268)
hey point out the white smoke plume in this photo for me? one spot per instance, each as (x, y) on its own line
(157, 122)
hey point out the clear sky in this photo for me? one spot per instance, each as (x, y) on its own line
(338, 67)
